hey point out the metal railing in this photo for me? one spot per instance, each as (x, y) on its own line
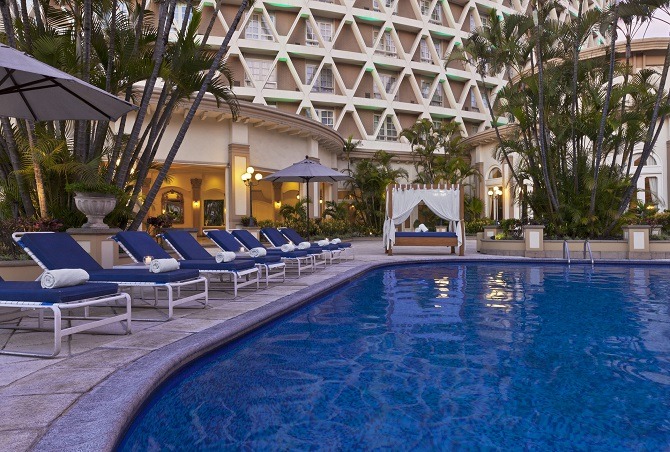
(587, 247)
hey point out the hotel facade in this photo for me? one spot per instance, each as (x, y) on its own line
(311, 73)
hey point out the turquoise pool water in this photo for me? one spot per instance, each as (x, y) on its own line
(449, 356)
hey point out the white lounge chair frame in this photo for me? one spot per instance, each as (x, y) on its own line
(169, 287)
(238, 278)
(264, 270)
(300, 263)
(317, 259)
(57, 309)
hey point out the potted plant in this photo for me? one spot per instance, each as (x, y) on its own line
(95, 200)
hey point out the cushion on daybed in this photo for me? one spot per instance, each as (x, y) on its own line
(32, 291)
(425, 234)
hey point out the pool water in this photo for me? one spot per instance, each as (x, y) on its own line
(448, 356)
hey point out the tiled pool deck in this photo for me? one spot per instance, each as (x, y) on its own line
(65, 403)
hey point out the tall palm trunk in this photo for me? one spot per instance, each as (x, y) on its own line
(39, 178)
(603, 118)
(153, 191)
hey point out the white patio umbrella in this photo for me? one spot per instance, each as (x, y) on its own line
(30, 89)
(307, 171)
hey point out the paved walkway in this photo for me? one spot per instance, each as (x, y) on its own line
(35, 393)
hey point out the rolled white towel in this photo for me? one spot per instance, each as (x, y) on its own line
(336, 241)
(258, 252)
(163, 265)
(65, 277)
(322, 242)
(417, 229)
(423, 228)
(224, 256)
(304, 245)
(288, 247)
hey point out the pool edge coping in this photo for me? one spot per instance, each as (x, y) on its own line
(98, 418)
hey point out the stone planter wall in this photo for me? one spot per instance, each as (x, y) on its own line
(635, 245)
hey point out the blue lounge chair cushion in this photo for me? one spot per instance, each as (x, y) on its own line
(135, 275)
(32, 291)
(225, 240)
(59, 250)
(140, 244)
(275, 237)
(186, 245)
(211, 264)
(425, 234)
(190, 249)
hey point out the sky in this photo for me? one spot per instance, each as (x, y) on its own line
(657, 28)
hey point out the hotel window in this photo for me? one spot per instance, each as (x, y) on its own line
(437, 124)
(325, 28)
(387, 132)
(387, 3)
(436, 16)
(258, 28)
(326, 117)
(436, 101)
(438, 48)
(473, 101)
(388, 81)
(425, 89)
(425, 7)
(179, 15)
(386, 45)
(426, 57)
(260, 72)
(323, 82)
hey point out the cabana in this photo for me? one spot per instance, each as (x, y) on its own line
(445, 200)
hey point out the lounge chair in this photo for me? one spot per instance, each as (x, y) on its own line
(188, 248)
(139, 244)
(21, 296)
(293, 236)
(301, 260)
(56, 250)
(277, 239)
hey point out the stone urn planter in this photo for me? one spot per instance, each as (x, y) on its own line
(95, 206)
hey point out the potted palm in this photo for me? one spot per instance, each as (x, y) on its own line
(95, 200)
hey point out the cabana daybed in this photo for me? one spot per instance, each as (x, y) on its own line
(445, 200)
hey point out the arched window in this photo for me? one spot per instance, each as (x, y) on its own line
(172, 203)
(495, 173)
(651, 161)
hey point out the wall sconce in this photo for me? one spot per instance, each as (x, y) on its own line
(297, 197)
(320, 200)
(277, 204)
(196, 204)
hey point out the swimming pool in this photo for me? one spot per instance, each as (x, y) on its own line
(438, 357)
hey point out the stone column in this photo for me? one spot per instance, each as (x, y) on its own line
(196, 185)
(98, 244)
(533, 237)
(638, 241)
(237, 200)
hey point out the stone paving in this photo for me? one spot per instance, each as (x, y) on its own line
(36, 392)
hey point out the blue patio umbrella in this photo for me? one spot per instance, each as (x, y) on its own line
(307, 171)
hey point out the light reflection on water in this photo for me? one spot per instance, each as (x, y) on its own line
(440, 357)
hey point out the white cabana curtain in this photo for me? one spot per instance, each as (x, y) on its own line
(445, 203)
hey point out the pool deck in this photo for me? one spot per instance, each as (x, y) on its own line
(81, 399)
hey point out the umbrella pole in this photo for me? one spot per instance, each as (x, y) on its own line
(308, 238)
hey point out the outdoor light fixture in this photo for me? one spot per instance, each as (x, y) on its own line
(196, 204)
(494, 193)
(250, 179)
